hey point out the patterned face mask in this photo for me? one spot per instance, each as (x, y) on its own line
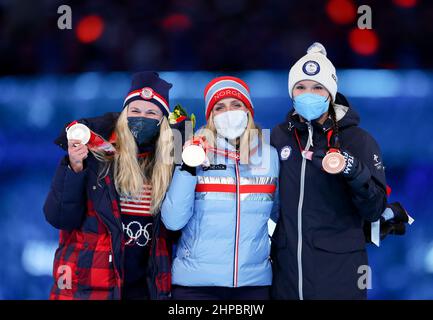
(144, 129)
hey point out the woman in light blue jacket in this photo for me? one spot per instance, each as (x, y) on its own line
(223, 206)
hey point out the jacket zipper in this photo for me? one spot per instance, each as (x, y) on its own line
(300, 205)
(114, 267)
(238, 218)
(122, 279)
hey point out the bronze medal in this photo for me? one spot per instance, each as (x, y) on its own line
(333, 162)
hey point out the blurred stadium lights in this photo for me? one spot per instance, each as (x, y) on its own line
(341, 11)
(417, 83)
(190, 85)
(122, 81)
(370, 83)
(392, 282)
(363, 41)
(9, 89)
(183, 85)
(3, 151)
(429, 259)
(176, 22)
(263, 84)
(37, 257)
(87, 85)
(90, 29)
(40, 111)
(405, 3)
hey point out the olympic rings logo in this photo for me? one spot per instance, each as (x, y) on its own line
(137, 235)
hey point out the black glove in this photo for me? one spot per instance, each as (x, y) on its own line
(318, 157)
(355, 172)
(400, 214)
(386, 228)
(191, 170)
(389, 227)
(352, 168)
(395, 225)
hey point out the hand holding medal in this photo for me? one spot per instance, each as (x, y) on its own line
(80, 132)
(333, 162)
(194, 152)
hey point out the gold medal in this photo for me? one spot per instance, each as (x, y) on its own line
(334, 162)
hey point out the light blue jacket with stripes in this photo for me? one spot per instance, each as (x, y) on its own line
(223, 213)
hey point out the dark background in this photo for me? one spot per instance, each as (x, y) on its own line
(49, 77)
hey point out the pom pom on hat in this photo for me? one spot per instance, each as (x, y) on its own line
(317, 47)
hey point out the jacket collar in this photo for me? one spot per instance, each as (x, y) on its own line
(345, 117)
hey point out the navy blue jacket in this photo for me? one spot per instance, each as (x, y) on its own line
(318, 245)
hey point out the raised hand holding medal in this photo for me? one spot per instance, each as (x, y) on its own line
(333, 162)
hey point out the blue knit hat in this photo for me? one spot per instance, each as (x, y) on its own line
(149, 86)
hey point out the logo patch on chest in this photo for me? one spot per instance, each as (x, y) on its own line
(285, 152)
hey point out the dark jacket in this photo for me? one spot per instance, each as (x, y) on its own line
(318, 245)
(91, 246)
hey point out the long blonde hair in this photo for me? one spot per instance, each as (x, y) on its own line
(130, 172)
(246, 140)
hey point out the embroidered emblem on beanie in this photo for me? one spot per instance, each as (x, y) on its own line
(311, 68)
(147, 93)
(147, 85)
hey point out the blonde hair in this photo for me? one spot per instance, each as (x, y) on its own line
(246, 140)
(132, 173)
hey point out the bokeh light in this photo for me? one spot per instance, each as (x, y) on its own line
(363, 41)
(341, 11)
(90, 29)
(405, 3)
(176, 22)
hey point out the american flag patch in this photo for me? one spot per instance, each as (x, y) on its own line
(137, 205)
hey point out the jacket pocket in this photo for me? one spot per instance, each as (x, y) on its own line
(351, 240)
(334, 264)
(95, 268)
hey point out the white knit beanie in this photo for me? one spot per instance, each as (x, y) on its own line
(314, 66)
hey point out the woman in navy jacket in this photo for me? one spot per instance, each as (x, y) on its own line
(112, 244)
(318, 248)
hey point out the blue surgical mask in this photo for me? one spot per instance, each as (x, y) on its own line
(310, 106)
(143, 129)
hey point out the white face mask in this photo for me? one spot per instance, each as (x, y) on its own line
(231, 124)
